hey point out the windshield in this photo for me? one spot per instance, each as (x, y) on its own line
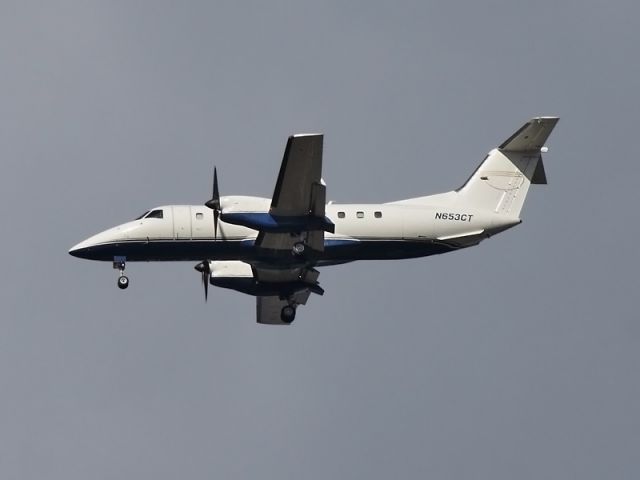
(154, 214)
(151, 214)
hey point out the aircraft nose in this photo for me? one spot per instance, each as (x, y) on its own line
(101, 246)
(89, 247)
(81, 250)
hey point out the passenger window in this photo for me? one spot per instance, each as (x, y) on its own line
(155, 214)
(199, 216)
(341, 215)
(377, 214)
(360, 214)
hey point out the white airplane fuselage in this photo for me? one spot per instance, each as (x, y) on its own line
(362, 232)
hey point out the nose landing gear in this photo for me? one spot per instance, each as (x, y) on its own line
(119, 263)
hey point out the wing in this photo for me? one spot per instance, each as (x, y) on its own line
(269, 310)
(293, 287)
(298, 204)
(285, 242)
(299, 186)
(300, 194)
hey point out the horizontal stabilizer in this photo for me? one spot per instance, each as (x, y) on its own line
(531, 137)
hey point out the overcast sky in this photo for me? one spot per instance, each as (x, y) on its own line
(515, 359)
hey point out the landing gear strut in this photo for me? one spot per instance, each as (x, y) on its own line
(119, 263)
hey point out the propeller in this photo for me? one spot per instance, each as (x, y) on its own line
(205, 269)
(214, 203)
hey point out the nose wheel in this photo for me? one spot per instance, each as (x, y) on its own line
(119, 263)
(123, 282)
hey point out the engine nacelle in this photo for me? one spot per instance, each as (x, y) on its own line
(232, 274)
(230, 268)
(237, 275)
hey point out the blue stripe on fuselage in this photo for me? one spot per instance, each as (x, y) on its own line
(336, 250)
(265, 222)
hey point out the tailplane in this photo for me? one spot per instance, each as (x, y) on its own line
(502, 180)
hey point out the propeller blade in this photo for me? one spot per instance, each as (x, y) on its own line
(216, 215)
(216, 192)
(205, 270)
(214, 203)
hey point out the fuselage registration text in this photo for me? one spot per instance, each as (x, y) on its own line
(460, 217)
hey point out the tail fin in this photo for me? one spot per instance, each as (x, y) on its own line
(502, 180)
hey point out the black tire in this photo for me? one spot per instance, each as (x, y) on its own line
(298, 248)
(288, 314)
(123, 282)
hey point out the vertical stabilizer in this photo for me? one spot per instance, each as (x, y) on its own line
(502, 180)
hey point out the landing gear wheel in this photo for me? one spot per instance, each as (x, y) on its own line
(288, 314)
(123, 282)
(298, 248)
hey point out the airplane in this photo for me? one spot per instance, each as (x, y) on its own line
(270, 247)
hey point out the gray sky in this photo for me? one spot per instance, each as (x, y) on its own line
(515, 359)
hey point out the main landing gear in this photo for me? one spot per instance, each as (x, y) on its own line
(288, 313)
(119, 263)
(298, 248)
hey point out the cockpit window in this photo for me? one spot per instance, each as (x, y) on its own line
(154, 214)
(142, 216)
